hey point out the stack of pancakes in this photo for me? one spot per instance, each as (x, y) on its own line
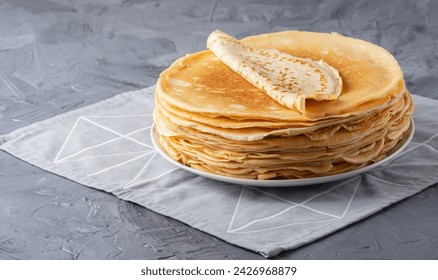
(210, 118)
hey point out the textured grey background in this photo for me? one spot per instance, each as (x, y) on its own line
(56, 56)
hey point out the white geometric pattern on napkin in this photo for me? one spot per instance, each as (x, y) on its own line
(123, 141)
(293, 210)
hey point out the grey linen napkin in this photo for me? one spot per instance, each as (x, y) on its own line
(107, 146)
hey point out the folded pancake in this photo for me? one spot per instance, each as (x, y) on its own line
(210, 117)
(287, 79)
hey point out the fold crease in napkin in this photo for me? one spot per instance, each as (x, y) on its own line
(107, 146)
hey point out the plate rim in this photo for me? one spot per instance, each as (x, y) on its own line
(282, 182)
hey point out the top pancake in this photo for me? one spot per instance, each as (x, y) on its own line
(200, 83)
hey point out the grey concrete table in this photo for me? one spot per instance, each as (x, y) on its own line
(56, 56)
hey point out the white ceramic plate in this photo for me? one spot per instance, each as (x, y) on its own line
(283, 182)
